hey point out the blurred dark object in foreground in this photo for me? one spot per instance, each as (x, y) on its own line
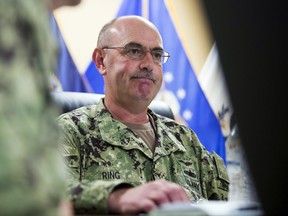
(251, 38)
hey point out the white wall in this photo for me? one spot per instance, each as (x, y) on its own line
(81, 24)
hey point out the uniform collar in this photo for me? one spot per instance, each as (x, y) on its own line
(118, 134)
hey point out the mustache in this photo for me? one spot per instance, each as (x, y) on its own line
(144, 74)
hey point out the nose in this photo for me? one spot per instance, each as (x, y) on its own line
(147, 62)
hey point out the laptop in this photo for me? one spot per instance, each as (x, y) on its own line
(209, 208)
(251, 38)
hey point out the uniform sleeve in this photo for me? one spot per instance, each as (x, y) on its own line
(31, 169)
(87, 195)
(215, 180)
(212, 172)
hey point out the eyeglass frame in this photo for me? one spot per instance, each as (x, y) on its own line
(164, 56)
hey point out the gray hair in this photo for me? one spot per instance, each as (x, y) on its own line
(104, 36)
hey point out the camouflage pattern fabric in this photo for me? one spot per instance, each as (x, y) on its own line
(102, 153)
(32, 172)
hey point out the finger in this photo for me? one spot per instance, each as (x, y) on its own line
(175, 193)
(159, 196)
(147, 205)
(142, 206)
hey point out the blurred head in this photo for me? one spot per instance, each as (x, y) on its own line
(129, 56)
(54, 4)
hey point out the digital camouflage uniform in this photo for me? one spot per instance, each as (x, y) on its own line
(102, 153)
(31, 169)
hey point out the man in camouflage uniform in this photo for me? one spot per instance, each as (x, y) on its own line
(124, 158)
(32, 180)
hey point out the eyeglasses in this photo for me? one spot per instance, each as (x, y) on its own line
(138, 52)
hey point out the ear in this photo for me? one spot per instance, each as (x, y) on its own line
(98, 57)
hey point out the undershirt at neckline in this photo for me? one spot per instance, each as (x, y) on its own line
(145, 131)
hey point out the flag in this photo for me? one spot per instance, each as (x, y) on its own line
(94, 79)
(129, 7)
(66, 71)
(181, 83)
(213, 83)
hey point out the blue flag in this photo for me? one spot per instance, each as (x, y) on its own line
(67, 72)
(94, 79)
(181, 82)
(129, 7)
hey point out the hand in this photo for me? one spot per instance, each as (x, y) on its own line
(66, 208)
(146, 197)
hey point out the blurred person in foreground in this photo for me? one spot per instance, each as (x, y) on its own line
(122, 157)
(32, 171)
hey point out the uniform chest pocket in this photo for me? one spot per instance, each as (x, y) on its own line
(186, 175)
(116, 164)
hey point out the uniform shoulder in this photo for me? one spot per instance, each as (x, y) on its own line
(89, 111)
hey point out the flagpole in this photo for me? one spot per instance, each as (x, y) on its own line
(145, 9)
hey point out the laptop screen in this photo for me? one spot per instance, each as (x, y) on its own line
(251, 39)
